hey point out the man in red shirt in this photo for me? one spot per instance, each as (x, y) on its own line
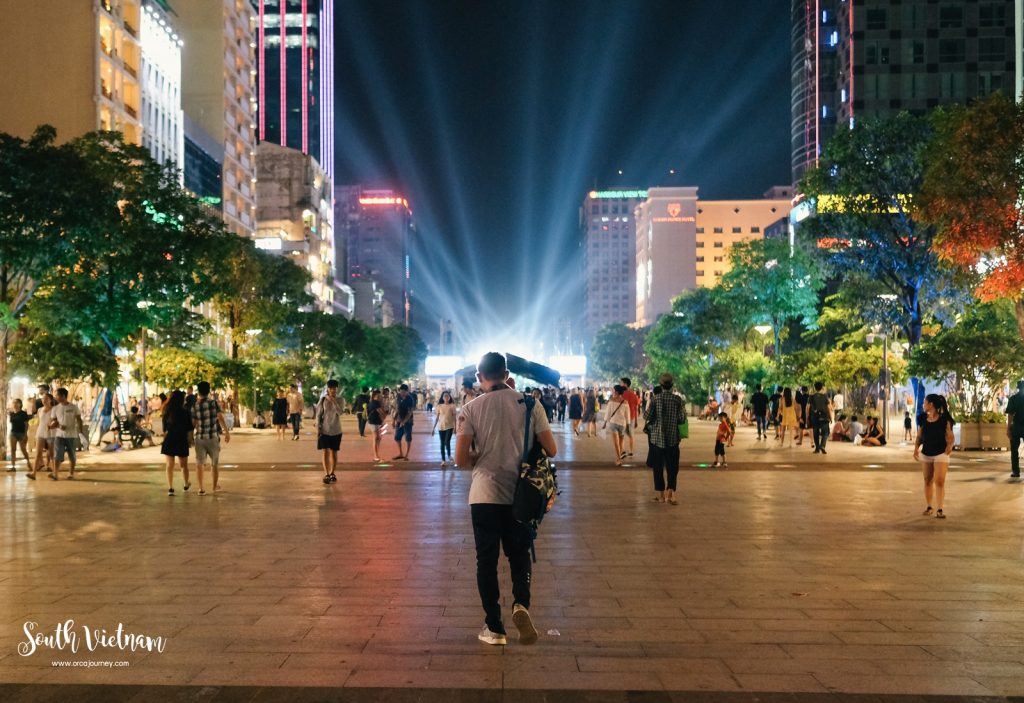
(633, 401)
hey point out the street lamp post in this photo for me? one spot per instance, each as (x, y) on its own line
(252, 334)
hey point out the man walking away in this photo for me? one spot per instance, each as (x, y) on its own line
(403, 421)
(67, 421)
(495, 422)
(759, 404)
(663, 416)
(295, 407)
(208, 423)
(820, 409)
(362, 403)
(633, 401)
(1015, 427)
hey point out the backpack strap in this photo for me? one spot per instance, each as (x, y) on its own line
(529, 402)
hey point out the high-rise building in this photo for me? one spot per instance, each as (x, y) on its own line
(609, 258)
(73, 65)
(683, 243)
(1018, 30)
(378, 236)
(878, 57)
(295, 215)
(295, 76)
(221, 104)
(163, 128)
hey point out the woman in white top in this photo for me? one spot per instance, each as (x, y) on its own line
(445, 410)
(615, 419)
(44, 437)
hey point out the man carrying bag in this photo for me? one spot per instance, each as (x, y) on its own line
(494, 421)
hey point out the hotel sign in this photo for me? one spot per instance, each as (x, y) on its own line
(674, 210)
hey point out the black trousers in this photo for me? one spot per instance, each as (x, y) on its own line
(446, 443)
(662, 461)
(362, 424)
(296, 419)
(1016, 435)
(495, 527)
(820, 433)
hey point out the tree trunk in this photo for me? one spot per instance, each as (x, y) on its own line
(1018, 312)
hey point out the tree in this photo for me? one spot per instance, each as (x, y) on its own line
(41, 226)
(854, 369)
(866, 194)
(42, 355)
(981, 351)
(171, 368)
(972, 195)
(617, 351)
(772, 282)
(390, 354)
(148, 250)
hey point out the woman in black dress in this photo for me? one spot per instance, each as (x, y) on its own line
(279, 410)
(576, 410)
(177, 425)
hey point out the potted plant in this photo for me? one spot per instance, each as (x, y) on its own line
(975, 357)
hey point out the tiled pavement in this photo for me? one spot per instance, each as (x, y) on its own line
(818, 581)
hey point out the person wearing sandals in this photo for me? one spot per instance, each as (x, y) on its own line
(933, 446)
(663, 416)
(177, 425)
(209, 424)
(328, 430)
(44, 437)
(375, 419)
(616, 419)
(66, 420)
(19, 434)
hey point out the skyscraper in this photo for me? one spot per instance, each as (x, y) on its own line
(295, 76)
(163, 130)
(878, 57)
(220, 105)
(609, 256)
(378, 238)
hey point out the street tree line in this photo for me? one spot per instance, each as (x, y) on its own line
(914, 235)
(100, 244)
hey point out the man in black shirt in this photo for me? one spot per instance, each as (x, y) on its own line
(759, 403)
(1015, 427)
(361, 404)
(403, 420)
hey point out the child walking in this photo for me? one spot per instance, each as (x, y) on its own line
(721, 437)
(907, 425)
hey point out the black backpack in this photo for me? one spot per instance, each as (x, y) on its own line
(537, 485)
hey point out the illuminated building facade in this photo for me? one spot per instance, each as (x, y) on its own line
(73, 65)
(163, 129)
(683, 243)
(879, 57)
(609, 258)
(295, 215)
(220, 105)
(295, 76)
(379, 232)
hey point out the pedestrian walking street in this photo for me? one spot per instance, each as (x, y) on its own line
(815, 576)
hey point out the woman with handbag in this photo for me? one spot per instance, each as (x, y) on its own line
(616, 418)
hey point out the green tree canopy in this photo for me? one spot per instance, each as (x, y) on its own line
(617, 351)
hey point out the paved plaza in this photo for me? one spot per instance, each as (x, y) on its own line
(786, 573)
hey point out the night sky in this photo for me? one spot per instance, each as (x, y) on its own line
(496, 118)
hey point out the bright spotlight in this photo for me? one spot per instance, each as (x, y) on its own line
(443, 365)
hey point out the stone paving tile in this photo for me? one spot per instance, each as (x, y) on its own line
(936, 684)
(795, 683)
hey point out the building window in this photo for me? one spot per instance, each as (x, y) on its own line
(912, 85)
(989, 83)
(737, 230)
(755, 230)
(876, 19)
(718, 273)
(718, 245)
(700, 272)
(719, 259)
(700, 259)
(876, 54)
(914, 16)
(992, 15)
(951, 86)
(951, 51)
(913, 52)
(991, 49)
(700, 245)
(718, 230)
(951, 17)
(700, 230)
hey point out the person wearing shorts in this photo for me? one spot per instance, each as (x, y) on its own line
(933, 446)
(403, 421)
(19, 434)
(209, 423)
(617, 420)
(67, 423)
(328, 430)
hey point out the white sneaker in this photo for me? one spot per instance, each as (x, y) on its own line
(488, 637)
(524, 623)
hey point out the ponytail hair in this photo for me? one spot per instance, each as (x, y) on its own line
(941, 407)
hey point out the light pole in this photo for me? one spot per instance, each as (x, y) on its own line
(253, 334)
